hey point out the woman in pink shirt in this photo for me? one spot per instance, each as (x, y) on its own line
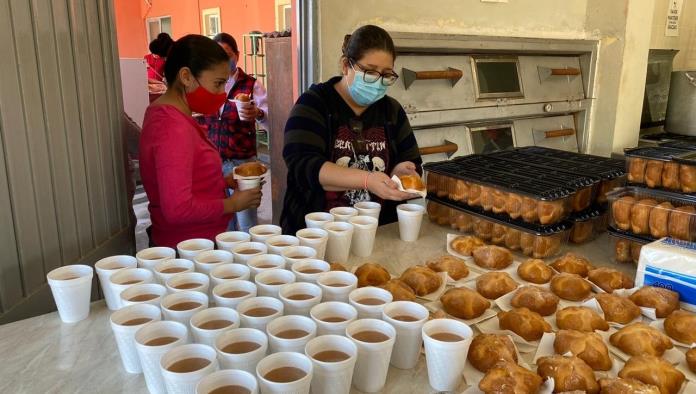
(180, 168)
(159, 48)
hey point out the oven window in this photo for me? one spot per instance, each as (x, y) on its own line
(497, 77)
(486, 140)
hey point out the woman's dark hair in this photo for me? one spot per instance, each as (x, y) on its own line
(367, 38)
(227, 39)
(196, 52)
(161, 45)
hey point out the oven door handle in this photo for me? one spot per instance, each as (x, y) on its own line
(448, 148)
(410, 76)
(548, 72)
(559, 133)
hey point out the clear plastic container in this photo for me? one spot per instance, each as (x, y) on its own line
(653, 213)
(626, 248)
(587, 225)
(661, 168)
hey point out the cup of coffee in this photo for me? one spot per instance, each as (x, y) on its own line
(265, 262)
(150, 257)
(230, 294)
(446, 347)
(152, 341)
(333, 359)
(343, 214)
(189, 281)
(368, 208)
(184, 366)
(375, 342)
(285, 372)
(333, 317)
(228, 240)
(168, 268)
(290, 333)
(248, 183)
(182, 305)
(298, 298)
(337, 285)
(228, 381)
(410, 219)
(309, 270)
(71, 287)
(295, 254)
(146, 293)
(189, 249)
(262, 232)
(370, 301)
(107, 267)
(364, 232)
(125, 322)
(241, 348)
(338, 244)
(257, 312)
(245, 251)
(208, 324)
(227, 272)
(128, 277)
(315, 238)
(318, 219)
(208, 260)
(269, 282)
(277, 243)
(408, 319)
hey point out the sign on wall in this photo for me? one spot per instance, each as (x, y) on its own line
(674, 9)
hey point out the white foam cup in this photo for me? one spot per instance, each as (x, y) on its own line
(223, 319)
(249, 183)
(294, 254)
(408, 333)
(333, 317)
(208, 260)
(298, 298)
(410, 219)
(190, 248)
(309, 270)
(188, 281)
(185, 382)
(148, 293)
(368, 208)
(128, 277)
(280, 330)
(245, 251)
(262, 232)
(277, 243)
(372, 362)
(338, 245)
(247, 360)
(259, 322)
(180, 314)
(269, 282)
(318, 219)
(227, 378)
(280, 360)
(264, 262)
(168, 268)
(227, 272)
(228, 240)
(125, 322)
(332, 377)
(150, 353)
(358, 298)
(343, 214)
(107, 267)
(364, 232)
(150, 257)
(315, 238)
(446, 360)
(230, 294)
(337, 285)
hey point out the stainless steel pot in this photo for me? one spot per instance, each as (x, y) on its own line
(681, 107)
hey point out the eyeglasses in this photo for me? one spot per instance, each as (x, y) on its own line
(371, 76)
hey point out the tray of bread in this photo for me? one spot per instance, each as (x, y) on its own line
(653, 214)
(626, 246)
(587, 225)
(661, 168)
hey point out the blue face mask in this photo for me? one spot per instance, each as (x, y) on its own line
(233, 66)
(366, 93)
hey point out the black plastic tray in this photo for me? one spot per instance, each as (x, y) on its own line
(654, 153)
(537, 229)
(579, 164)
(495, 177)
(688, 145)
(688, 158)
(588, 214)
(629, 235)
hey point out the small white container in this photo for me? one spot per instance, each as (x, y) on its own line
(245, 251)
(268, 283)
(150, 354)
(207, 335)
(168, 268)
(299, 298)
(262, 232)
(408, 331)
(277, 243)
(280, 360)
(309, 270)
(259, 322)
(188, 281)
(225, 378)
(265, 262)
(368, 208)
(280, 326)
(294, 254)
(185, 383)
(332, 377)
(189, 249)
(124, 324)
(372, 363)
(208, 260)
(245, 361)
(364, 232)
(446, 360)
(229, 239)
(150, 257)
(333, 317)
(318, 219)
(410, 220)
(173, 309)
(227, 272)
(230, 294)
(315, 238)
(366, 310)
(337, 285)
(147, 293)
(343, 214)
(107, 267)
(338, 245)
(128, 277)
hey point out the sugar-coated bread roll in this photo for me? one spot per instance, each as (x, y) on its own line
(492, 257)
(617, 309)
(535, 299)
(463, 222)
(432, 181)
(498, 234)
(546, 246)
(637, 339)
(483, 228)
(681, 326)
(474, 198)
(550, 211)
(486, 350)
(523, 322)
(580, 318)
(635, 251)
(506, 377)
(568, 373)
(421, 279)
(512, 239)
(513, 205)
(654, 370)
(636, 169)
(442, 190)
(640, 215)
(670, 176)
(570, 287)
(626, 386)
(487, 198)
(572, 263)
(659, 219)
(587, 346)
(622, 251)
(581, 199)
(664, 301)
(372, 274)
(337, 267)
(454, 266)
(687, 178)
(499, 201)
(465, 244)
(495, 284)
(691, 359)
(681, 222)
(399, 290)
(609, 279)
(464, 303)
(653, 173)
(529, 210)
(582, 231)
(621, 212)
(460, 192)
(535, 271)
(412, 182)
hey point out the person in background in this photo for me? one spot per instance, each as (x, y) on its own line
(345, 138)
(159, 47)
(236, 138)
(180, 168)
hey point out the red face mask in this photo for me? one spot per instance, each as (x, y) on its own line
(205, 102)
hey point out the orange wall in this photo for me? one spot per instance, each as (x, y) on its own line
(237, 16)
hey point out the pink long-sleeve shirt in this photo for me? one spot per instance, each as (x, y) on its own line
(181, 171)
